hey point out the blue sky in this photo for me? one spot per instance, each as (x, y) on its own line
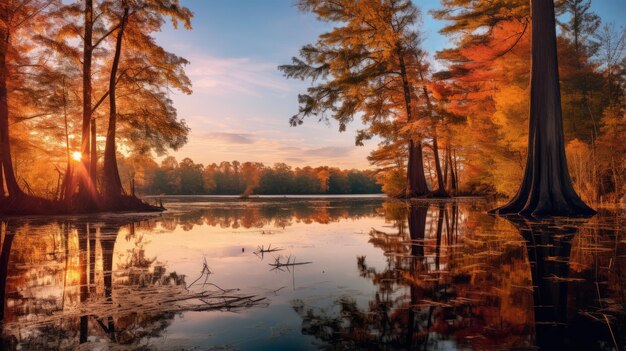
(241, 104)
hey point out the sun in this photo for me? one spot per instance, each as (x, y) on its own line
(76, 155)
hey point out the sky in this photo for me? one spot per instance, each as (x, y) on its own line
(241, 103)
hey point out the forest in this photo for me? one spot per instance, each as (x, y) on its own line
(236, 178)
(337, 178)
(84, 87)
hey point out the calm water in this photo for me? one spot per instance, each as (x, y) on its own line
(370, 274)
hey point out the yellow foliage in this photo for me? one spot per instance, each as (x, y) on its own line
(394, 181)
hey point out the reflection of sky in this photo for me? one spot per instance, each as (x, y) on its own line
(469, 259)
(333, 249)
(241, 103)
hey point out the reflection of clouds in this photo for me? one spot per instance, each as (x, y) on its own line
(235, 75)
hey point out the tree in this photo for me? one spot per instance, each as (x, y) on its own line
(145, 66)
(112, 185)
(577, 71)
(485, 88)
(6, 164)
(190, 175)
(365, 67)
(19, 21)
(546, 188)
(251, 174)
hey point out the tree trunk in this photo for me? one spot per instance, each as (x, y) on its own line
(546, 189)
(416, 178)
(453, 185)
(93, 154)
(441, 188)
(111, 183)
(6, 165)
(86, 187)
(416, 175)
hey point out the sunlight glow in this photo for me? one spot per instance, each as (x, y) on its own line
(76, 155)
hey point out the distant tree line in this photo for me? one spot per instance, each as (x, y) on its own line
(236, 178)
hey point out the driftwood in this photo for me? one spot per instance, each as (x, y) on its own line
(278, 265)
(149, 300)
(261, 250)
(206, 272)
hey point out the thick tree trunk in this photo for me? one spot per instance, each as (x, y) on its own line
(546, 189)
(111, 182)
(416, 178)
(6, 165)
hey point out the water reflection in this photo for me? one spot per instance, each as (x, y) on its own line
(60, 288)
(577, 271)
(461, 279)
(384, 275)
(266, 214)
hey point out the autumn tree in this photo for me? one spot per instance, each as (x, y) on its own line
(147, 71)
(362, 67)
(486, 82)
(126, 77)
(19, 22)
(546, 188)
(251, 174)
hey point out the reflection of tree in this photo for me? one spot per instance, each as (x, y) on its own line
(451, 281)
(575, 307)
(7, 241)
(389, 320)
(61, 288)
(259, 214)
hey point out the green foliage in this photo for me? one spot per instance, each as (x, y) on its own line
(235, 178)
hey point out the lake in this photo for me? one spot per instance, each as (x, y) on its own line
(335, 273)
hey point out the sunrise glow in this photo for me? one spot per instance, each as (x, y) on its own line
(76, 155)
